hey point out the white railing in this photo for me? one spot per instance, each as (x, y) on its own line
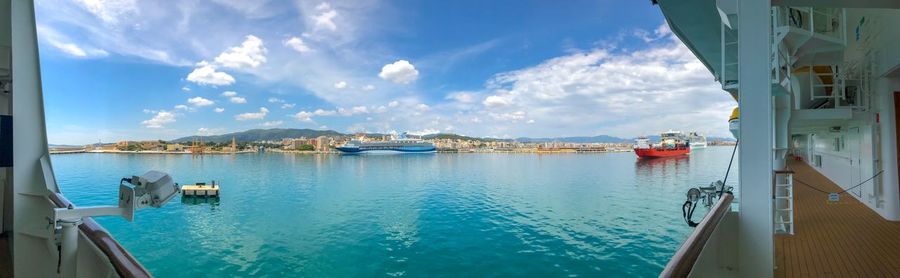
(781, 66)
(827, 90)
(856, 82)
(824, 22)
(729, 70)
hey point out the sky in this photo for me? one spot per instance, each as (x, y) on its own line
(136, 70)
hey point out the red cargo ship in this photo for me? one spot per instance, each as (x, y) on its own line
(672, 143)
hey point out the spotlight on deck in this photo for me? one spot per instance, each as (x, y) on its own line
(153, 189)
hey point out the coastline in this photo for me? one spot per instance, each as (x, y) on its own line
(506, 151)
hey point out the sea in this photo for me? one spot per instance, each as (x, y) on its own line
(406, 215)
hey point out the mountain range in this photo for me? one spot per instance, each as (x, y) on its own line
(276, 134)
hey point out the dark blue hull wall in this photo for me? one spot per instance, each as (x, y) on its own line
(357, 150)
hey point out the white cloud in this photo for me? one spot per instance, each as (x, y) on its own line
(161, 118)
(512, 116)
(320, 112)
(206, 74)
(110, 11)
(229, 94)
(219, 110)
(325, 17)
(463, 97)
(199, 101)
(297, 44)
(251, 53)
(369, 87)
(393, 104)
(400, 72)
(360, 109)
(288, 105)
(303, 116)
(340, 85)
(353, 111)
(184, 107)
(497, 101)
(186, 89)
(422, 107)
(237, 100)
(64, 44)
(624, 92)
(275, 100)
(423, 132)
(253, 115)
(272, 123)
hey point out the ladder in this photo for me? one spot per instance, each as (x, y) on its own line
(783, 203)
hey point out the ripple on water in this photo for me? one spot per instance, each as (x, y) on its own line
(425, 215)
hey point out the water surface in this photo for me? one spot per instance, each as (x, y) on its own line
(450, 215)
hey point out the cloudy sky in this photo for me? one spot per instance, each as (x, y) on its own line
(127, 69)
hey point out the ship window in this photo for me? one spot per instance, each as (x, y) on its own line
(836, 146)
(817, 161)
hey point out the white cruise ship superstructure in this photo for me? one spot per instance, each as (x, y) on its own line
(698, 141)
(817, 85)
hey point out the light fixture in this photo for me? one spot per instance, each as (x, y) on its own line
(153, 189)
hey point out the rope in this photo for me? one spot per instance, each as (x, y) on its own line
(687, 209)
(728, 170)
(687, 212)
(841, 192)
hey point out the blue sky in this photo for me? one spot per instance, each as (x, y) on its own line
(126, 69)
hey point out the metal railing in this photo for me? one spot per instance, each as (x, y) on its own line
(123, 262)
(687, 255)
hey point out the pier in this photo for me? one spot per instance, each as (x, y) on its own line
(200, 190)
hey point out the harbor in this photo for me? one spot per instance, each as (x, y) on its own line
(661, 138)
(335, 213)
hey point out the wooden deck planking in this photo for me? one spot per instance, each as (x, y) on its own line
(840, 239)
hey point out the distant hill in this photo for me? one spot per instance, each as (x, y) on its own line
(576, 139)
(457, 137)
(274, 134)
(724, 139)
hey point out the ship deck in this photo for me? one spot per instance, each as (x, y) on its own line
(840, 239)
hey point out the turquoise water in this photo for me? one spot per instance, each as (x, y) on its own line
(451, 215)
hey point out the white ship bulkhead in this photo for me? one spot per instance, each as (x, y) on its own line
(819, 84)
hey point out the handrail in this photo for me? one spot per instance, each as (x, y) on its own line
(124, 263)
(684, 259)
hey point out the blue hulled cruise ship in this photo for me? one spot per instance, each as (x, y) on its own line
(402, 144)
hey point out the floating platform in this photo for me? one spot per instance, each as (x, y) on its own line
(200, 190)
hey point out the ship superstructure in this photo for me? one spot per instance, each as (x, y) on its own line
(697, 140)
(671, 143)
(401, 144)
(817, 87)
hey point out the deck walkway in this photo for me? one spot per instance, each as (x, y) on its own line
(840, 239)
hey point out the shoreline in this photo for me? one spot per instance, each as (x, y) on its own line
(514, 151)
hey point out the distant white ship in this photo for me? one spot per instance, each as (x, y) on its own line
(698, 141)
(398, 145)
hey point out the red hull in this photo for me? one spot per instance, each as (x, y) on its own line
(653, 153)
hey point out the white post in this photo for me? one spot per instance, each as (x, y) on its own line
(884, 91)
(755, 228)
(68, 251)
(30, 254)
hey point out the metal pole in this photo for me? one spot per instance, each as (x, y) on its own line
(68, 253)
